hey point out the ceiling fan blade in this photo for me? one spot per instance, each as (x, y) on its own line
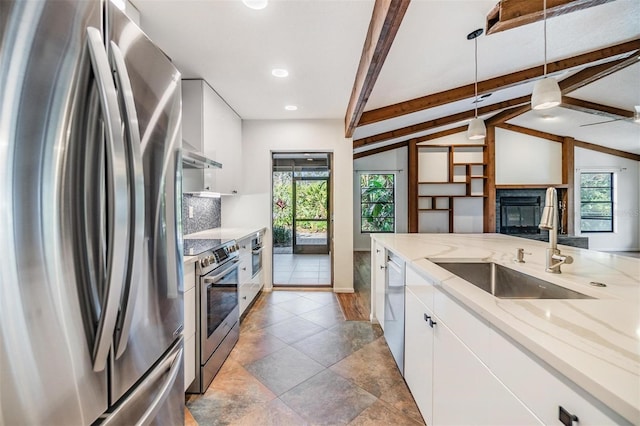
(602, 122)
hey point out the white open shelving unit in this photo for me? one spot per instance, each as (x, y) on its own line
(451, 188)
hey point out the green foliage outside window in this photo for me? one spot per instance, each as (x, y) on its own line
(311, 203)
(377, 202)
(596, 202)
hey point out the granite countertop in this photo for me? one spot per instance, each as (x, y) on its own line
(593, 342)
(221, 234)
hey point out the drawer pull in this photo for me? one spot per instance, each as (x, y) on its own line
(566, 418)
(431, 322)
(427, 317)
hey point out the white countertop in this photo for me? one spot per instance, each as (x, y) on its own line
(237, 234)
(593, 342)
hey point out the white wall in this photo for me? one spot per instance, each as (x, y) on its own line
(626, 235)
(394, 161)
(259, 139)
(524, 159)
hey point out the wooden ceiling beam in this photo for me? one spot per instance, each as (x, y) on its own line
(441, 134)
(383, 27)
(508, 114)
(439, 122)
(509, 14)
(596, 72)
(571, 83)
(605, 150)
(490, 85)
(380, 149)
(532, 132)
(595, 108)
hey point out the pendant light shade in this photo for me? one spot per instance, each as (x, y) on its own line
(477, 129)
(546, 94)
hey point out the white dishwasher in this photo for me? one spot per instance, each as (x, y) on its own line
(394, 308)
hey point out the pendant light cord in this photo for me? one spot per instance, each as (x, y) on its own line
(476, 80)
(544, 19)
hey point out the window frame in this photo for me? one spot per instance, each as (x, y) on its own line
(393, 203)
(610, 202)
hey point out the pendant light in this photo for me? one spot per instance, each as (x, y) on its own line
(476, 130)
(546, 92)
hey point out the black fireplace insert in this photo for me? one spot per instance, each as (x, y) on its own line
(519, 215)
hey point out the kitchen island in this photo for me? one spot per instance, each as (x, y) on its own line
(594, 344)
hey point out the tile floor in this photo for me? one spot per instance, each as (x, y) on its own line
(301, 269)
(298, 362)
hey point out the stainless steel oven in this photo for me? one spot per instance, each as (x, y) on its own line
(217, 330)
(256, 254)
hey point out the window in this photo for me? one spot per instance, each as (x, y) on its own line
(377, 203)
(596, 202)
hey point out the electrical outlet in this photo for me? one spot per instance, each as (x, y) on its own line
(190, 212)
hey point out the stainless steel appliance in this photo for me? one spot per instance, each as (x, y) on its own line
(256, 254)
(394, 308)
(218, 325)
(91, 298)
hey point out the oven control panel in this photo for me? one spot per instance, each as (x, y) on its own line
(210, 259)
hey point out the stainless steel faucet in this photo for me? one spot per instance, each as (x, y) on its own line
(549, 221)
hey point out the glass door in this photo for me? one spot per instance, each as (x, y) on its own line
(310, 215)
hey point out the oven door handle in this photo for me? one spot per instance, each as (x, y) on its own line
(217, 277)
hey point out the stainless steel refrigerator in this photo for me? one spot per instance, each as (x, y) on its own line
(91, 310)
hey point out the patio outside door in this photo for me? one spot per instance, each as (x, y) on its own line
(310, 215)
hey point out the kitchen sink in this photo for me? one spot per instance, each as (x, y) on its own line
(506, 283)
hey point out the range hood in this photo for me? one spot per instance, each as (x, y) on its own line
(194, 165)
(191, 159)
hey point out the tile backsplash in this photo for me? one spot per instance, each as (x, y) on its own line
(206, 213)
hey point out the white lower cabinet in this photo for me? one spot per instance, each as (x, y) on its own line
(189, 361)
(418, 355)
(249, 286)
(189, 330)
(465, 392)
(461, 370)
(518, 370)
(378, 277)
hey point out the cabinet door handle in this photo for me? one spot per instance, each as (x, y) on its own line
(382, 266)
(431, 322)
(377, 250)
(427, 317)
(244, 297)
(566, 418)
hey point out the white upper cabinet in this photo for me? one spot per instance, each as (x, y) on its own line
(212, 127)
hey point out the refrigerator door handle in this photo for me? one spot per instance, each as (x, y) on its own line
(170, 366)
(136, 199)
(116, 199)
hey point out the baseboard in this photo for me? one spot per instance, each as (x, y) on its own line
(343, 290)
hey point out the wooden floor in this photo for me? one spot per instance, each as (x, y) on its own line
(356, 306)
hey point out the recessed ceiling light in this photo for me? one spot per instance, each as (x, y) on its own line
(291, 108)
(255, 4)
(279, 72)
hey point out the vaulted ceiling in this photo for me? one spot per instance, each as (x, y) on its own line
(425, 82)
